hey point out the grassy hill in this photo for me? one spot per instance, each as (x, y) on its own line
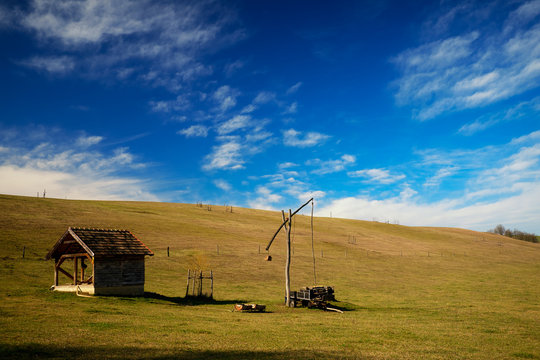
(409, 292)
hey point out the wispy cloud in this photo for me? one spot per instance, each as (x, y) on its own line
(501, 187)
(515, 113)
(470, 70)
(51, 64)
(194, 131)
(86, 141)
(223, 185)
(291, 109)
(168, 106)
(236, 123)
(294, 138)
(166, 38)
(225, 156)
(332, 166)
(264, 97)
(381, 176)
(440, 175)
(72, 170)
(225, 97)
(293, 89)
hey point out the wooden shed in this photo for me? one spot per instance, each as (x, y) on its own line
(104, 262)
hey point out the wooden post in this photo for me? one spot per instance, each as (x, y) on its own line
(288, 263)
(55, 273)
(167, 251)
(75, 271)
(194, 279)
(212, 282)
(23, 251)
(82, 270)
(187, 287)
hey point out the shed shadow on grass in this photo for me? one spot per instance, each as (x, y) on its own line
(41, 351)
(190, 300)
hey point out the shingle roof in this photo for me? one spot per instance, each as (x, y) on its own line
(100, 243)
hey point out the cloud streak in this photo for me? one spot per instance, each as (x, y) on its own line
(503, 192)
(470, 70)
(166, 39)
(73, 171)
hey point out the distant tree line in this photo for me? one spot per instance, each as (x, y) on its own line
(516, 234)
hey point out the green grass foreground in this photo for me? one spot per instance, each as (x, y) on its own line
(407, 292)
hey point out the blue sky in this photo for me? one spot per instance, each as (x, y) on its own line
(418, 113)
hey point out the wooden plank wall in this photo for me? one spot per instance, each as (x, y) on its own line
(118, 272)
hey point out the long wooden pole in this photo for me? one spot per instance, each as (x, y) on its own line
(285, 222)
(288, 263)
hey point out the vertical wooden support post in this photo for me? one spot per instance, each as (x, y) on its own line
(212, 282)
(55, 273)
(167, 251)
(188, 278)
(288, 263)
(82, 270)
(23, 251)
(194, 279)
(75, 271)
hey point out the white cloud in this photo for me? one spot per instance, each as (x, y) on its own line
(223, 185)
(236, 123)
(67, 171)
(505, 192)
(194, 131)
(381, 176)
(264, 200)
(331, 166)
(287, 165)
(52, 64)
(226, 156)
(86, 141)
(225, 97)
(534, 136)
(471, 70)
(292, 137)
(291, 109)
(439, 176)
(478, 216)
(248, 109)
(167, 106)
(167, 39)
(293, 89)
(264, 97)
(233, 67)
(520, 111)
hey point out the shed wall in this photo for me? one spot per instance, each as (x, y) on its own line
(118, 272)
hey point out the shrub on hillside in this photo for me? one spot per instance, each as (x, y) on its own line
(516, 234)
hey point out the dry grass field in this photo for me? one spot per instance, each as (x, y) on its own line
(407, 292)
